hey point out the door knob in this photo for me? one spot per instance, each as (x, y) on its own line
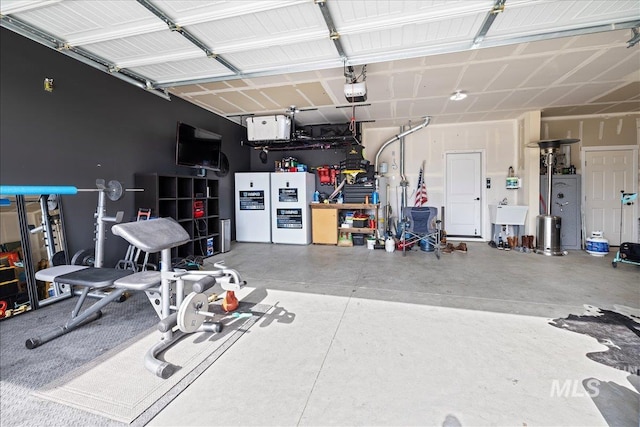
(477, 198)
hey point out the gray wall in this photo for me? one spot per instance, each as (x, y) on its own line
(93, 126)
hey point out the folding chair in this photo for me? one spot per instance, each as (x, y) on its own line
(420, 225)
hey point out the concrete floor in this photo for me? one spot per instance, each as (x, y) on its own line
(366, 337)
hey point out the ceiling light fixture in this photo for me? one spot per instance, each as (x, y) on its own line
(458, 96)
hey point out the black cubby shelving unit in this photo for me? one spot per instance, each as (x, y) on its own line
(175, 197)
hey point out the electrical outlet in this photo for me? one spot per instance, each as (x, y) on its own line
(48, 84)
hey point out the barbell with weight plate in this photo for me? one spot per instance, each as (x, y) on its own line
(113, 189)
(84, 257)
(193, 312)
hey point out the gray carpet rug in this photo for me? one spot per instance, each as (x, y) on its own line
(25, 373)
(618, 330)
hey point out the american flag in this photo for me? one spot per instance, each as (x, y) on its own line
(421, 192)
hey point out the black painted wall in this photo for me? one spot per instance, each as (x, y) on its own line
(312, 158)
(91, 126)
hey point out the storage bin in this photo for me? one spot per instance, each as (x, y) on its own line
(360, 222)
(268, 128)
(358, 239)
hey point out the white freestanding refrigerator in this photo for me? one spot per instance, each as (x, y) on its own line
(253, 207)
(291, 194)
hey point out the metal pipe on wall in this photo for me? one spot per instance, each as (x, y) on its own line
(550, 160)
(427, 119)
(403, 179)
(400, 136)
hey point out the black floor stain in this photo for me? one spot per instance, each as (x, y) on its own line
(620, 333)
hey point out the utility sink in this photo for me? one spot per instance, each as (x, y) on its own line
(507, 215)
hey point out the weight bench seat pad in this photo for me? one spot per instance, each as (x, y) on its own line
(139, 281)
(51, 274)
(93, 277)
(153, 235)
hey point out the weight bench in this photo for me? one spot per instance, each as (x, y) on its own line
(87, 278)
(187, 314)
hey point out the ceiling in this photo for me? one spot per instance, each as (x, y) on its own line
(241, 58)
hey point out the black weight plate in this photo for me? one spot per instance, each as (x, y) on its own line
(59, 258)
(83, 257)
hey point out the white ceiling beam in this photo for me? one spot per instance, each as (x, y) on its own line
(412, 17)
(401, 54)
(244, 8)
(270, 71)
(109, 34)
(281, 40)
(239, 8)
(7, 8)
(554, 33)
(185, 55)
(186, 34)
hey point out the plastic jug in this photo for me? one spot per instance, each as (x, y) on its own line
(390, 244)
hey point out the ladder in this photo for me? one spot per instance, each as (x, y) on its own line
(130, 261)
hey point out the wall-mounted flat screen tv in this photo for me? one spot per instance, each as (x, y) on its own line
(198, 148)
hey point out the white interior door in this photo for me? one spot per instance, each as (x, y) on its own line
(463, 212)
(606, 174)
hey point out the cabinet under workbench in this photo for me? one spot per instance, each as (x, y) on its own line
(325, 225)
